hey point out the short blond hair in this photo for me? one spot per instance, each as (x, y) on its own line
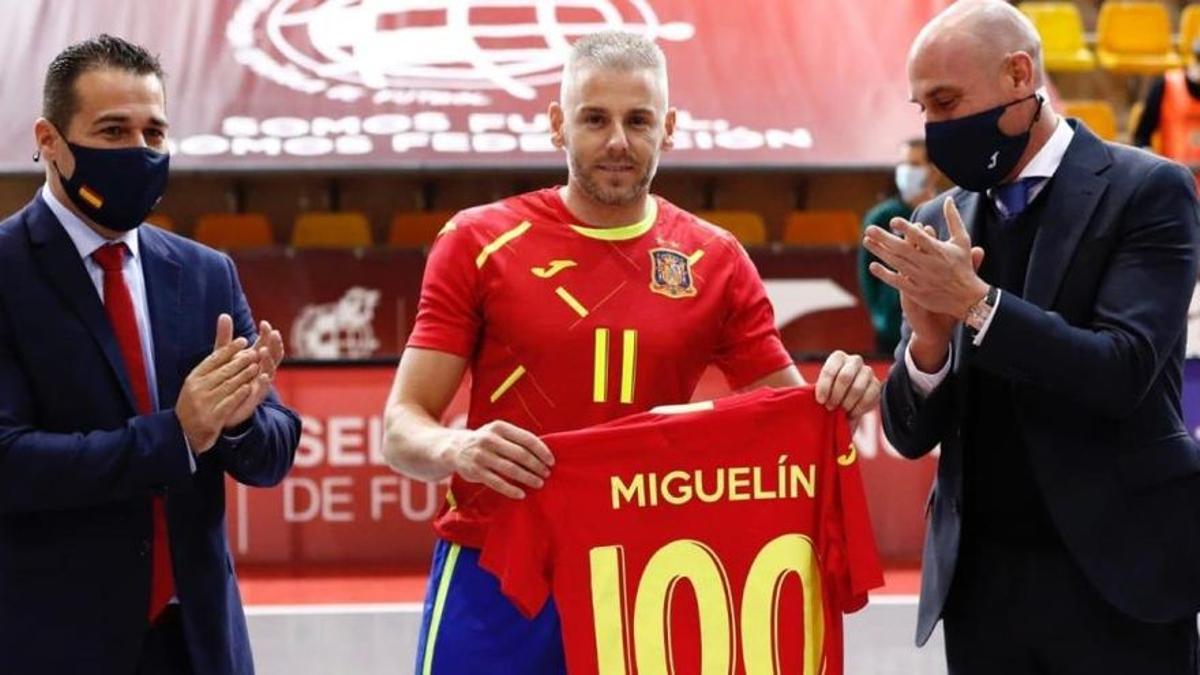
(616, 50)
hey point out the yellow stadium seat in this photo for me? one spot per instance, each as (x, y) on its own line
(234, 230)
(822, 228)
(1061, 28)
(161, 220)
(327, 229)
(747, 226)
(1135, 38)
(1098, 115)
(416, 228)
(1189, 29)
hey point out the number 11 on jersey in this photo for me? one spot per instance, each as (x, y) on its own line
(629, 338)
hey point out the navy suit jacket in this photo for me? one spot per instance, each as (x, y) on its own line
(1094, 351)
(78, 466)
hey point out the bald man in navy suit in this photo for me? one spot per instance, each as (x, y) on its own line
(1045, 305)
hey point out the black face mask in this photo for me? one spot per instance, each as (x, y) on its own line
(116, 187)
(973, 152)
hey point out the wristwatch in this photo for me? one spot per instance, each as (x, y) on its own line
(979, 312)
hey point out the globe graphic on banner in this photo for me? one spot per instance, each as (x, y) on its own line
(507, 45)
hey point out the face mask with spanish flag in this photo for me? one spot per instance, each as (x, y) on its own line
(116, 187)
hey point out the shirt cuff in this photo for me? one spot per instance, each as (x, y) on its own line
(924, 383)
(191, 455)
(988, 321)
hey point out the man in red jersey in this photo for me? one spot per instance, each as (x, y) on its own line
(571, 306)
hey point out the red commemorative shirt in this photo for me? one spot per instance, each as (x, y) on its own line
(729, 540)
(567, 326)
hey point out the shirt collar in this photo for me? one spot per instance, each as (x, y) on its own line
(1047, 160)
(86, 239)
(626, 232)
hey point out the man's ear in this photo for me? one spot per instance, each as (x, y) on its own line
(1021, 69)
(46, 140)
(669, 125)
(557, 120)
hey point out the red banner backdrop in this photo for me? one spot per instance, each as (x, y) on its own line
(337, 305)
(342, 506)
(389, 83)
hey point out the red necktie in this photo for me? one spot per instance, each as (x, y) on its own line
(118, 304)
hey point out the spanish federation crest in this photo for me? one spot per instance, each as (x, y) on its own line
(671, 274)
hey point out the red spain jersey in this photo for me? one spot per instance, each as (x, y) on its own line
(728, 540)
(567, 326)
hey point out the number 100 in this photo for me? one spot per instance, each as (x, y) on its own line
(694, 562)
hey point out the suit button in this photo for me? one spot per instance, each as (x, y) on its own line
(957, 506)
(144, 548)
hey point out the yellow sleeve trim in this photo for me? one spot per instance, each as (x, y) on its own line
(500, 242)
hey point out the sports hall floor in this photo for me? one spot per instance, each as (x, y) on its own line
(366, 623)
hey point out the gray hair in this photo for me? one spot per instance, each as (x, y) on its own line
(616, 50)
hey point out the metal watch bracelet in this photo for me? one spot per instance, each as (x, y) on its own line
(979, 312)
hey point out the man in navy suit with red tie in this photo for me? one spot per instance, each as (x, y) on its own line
(132, 380)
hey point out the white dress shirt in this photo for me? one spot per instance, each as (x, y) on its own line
(87, 241)
(1043, 165)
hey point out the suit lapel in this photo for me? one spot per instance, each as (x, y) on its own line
(59, 260)
(1072, 196)
(163, 295)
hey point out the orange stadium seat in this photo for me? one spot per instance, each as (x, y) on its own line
(747, 226)
(1098, 115)
(1135, 38)
(1061, 28)
(161, 220)
(416, 228)
(234, 230)
(329, 229)
(822, 228)
(1189, 29)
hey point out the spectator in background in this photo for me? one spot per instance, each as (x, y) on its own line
(917, 181)
(1173, 108)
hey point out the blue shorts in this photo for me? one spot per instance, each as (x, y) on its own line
(470, 627)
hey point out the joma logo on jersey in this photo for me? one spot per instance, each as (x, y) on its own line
(671, 274)
(553, 268)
